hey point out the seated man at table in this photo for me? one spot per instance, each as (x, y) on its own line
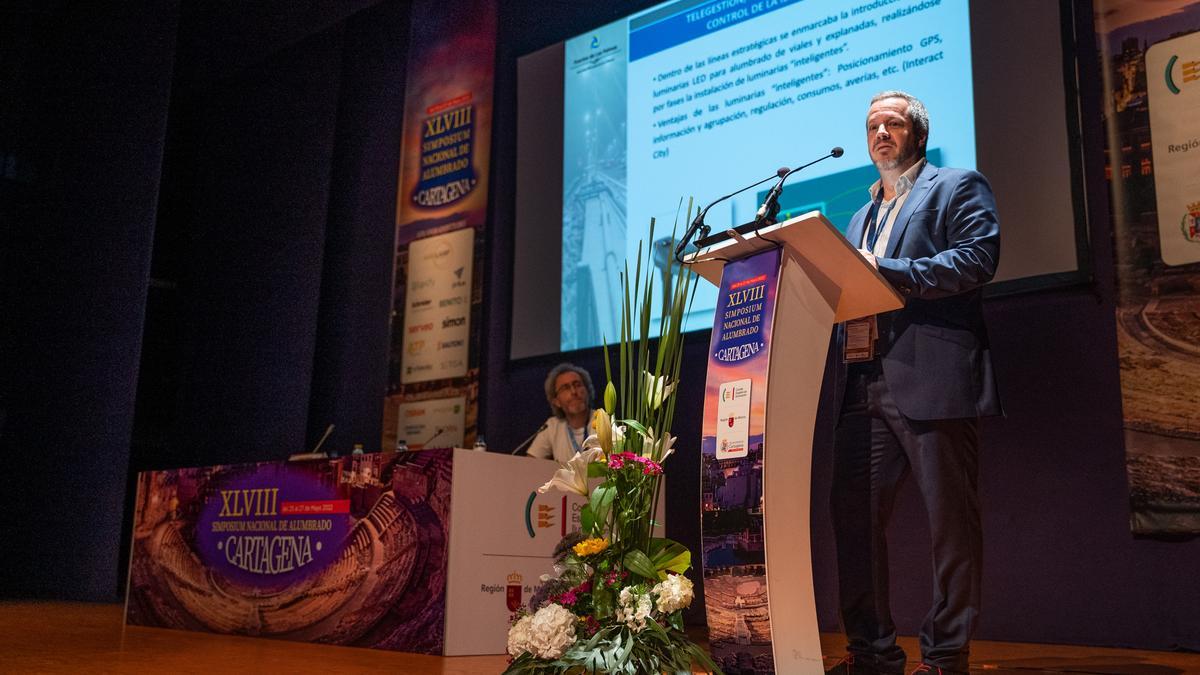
(569, 392)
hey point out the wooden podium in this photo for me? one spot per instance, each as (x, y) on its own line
(783, 287)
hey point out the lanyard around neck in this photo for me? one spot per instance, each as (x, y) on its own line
(571, 436)
(878, 222)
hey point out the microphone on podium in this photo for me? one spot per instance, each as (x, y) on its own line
(524, 445)
(698, 222)
(436, 433)
(770, 206)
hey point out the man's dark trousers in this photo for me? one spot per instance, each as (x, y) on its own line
(876, 448)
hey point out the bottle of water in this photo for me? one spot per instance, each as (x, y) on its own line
(358, 449)
(401, 445)
(480, 444)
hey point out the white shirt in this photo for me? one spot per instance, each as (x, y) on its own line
(558, 441)
(891, 208)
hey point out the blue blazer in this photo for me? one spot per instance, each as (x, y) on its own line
(944, 246)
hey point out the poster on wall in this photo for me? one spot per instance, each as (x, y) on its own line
(441, 210)
(1174, 100)
(1151, 54)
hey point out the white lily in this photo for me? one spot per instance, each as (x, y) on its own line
(657, 389)
(618, 436)
(658, 447)
(573, 477)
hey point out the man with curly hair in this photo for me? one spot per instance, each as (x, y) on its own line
(570, 394)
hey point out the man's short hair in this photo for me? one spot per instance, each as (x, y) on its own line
(917, 114)
(553, 376)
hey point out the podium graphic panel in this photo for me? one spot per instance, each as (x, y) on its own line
(757, 559)
(735, 573)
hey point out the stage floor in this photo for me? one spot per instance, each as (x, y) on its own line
(62, 637)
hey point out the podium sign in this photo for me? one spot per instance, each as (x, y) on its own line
(735, 575)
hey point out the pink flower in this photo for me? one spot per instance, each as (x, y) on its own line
(590, 625)
(620, 459)
(614, 577)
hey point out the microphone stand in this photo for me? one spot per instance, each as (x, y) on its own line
(698, 223)
(524, 445)
(315, 453)
(435, 435)
(770, 206)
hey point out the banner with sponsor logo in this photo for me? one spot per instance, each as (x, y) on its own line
(735, 572)
(441, 209)
(438, 297)
(425, 552)
(1151, 56)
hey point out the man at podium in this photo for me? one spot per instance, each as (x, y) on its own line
(570, 394)
(915, 383)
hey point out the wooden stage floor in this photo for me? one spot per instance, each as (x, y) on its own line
(64, 637)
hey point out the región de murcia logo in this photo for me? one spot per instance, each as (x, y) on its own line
(1190, 224)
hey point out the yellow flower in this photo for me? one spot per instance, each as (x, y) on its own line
(590, 546)
(609, 436)
(602, 423)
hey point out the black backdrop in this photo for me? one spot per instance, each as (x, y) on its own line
(196, 201)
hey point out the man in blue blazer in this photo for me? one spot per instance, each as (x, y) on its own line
(915, 383)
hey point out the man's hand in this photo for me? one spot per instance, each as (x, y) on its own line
(869, 257)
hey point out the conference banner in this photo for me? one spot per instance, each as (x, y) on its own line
(732, 454)
(347, 551)
(441, 211)
(1151, 56)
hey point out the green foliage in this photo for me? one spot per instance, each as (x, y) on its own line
(669, 556)
(601, 502)
(618, 650)
(635, 561)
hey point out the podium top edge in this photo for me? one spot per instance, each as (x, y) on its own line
(726, 239)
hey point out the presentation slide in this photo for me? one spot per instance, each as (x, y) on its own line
(694, 99)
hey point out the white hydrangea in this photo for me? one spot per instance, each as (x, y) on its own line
(633, 609)
(551, 631)
(673, 594)
(518, 637)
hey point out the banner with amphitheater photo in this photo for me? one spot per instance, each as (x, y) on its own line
(731, 460)
(348, 551)
(1151, 56)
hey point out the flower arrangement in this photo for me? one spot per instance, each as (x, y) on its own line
(615, 601)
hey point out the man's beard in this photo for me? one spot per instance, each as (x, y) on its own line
(907, 158)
